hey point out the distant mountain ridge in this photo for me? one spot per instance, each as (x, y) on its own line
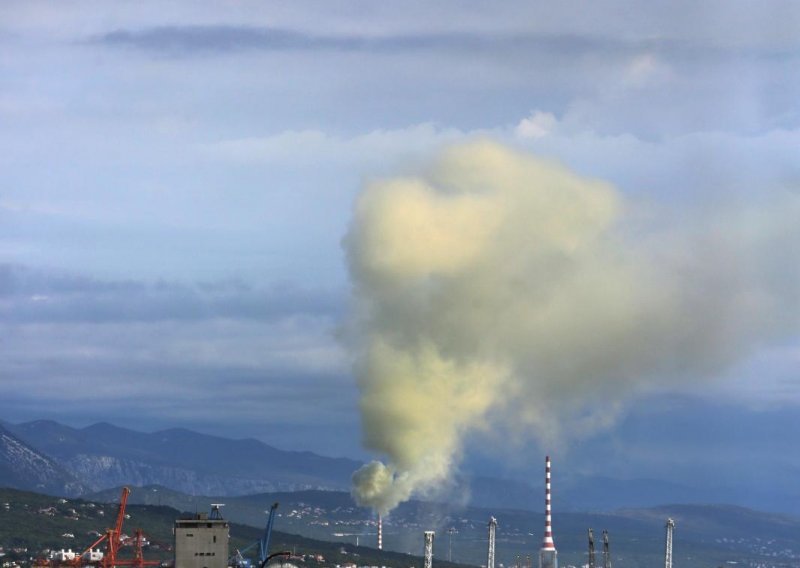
(23, 467)
(103, 455)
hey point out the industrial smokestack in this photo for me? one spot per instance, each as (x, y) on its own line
(492, 532)
(591, 549)
(606, 551)
(668, 548)
(429, 549)
(380, 532)
(548, 556)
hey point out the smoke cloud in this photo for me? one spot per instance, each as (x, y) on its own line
(498, 288)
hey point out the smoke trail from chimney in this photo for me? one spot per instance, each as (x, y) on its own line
(497, 288)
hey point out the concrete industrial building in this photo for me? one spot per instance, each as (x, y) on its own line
(202, 542)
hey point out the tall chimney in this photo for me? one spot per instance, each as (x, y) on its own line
(492, 531)
(429, 549)
(668, 547)
(380, 532)
(548, 556)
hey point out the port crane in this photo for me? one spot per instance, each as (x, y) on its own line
(238, 559)
(114, 536)
(263, 545)
(113, 543)
(111, 538)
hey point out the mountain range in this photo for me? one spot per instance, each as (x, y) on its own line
(103, 455)
(54, 458)
(23, 467)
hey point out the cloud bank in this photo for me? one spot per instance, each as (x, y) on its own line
(495, 287)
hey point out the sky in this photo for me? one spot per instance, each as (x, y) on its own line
(177, 180)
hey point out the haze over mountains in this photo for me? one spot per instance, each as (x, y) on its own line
(54, 458)
(103, 455)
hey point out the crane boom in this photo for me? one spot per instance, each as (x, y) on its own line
(263, 549)
(113, 541)
(123, 502)
(79, 557)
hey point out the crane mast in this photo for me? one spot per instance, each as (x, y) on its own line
(113, 539)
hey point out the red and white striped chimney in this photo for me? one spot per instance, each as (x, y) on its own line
(547, 543)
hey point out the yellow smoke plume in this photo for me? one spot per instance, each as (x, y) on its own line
(499, 286)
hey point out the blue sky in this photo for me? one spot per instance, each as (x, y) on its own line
(176, 180)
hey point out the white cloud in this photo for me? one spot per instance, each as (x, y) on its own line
(538, 125)
(318, 147)
(646, 69)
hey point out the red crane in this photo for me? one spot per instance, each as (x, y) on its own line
(114, 536)
(113, 539)
(137, 560)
